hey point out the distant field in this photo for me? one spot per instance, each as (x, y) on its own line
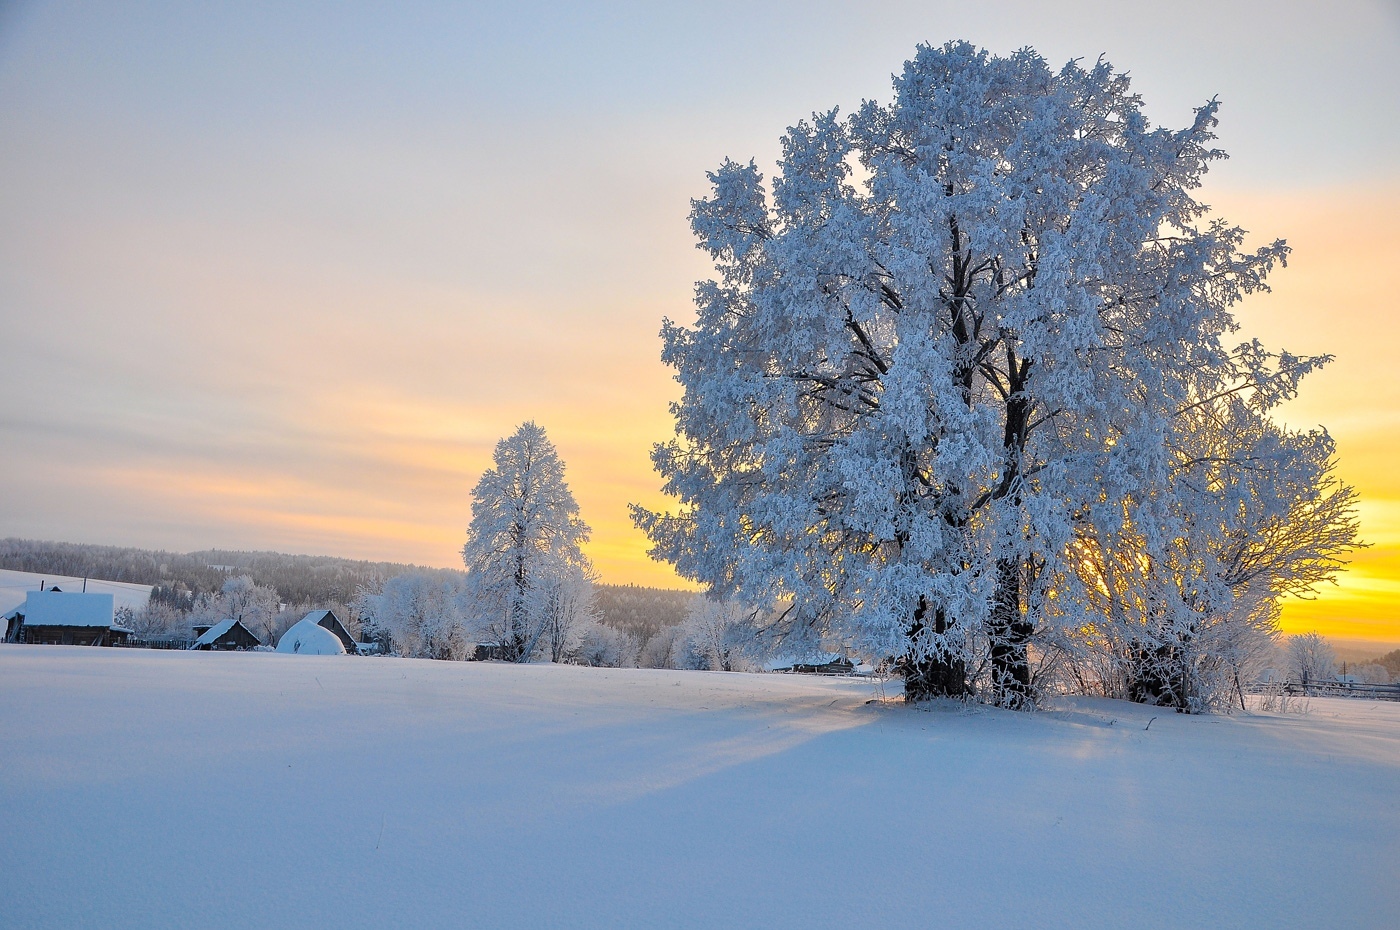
(196, 790)
(14, 585)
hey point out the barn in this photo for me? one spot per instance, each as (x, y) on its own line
(327, 620)
(225, 636)
(66, 618)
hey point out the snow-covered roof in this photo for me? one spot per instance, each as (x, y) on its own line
(215, 631)
(307, 639)
(67, 608)
(14, 586)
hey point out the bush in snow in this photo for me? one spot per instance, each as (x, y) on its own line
(600, 645)
(155, 618)
(721, 636)
(662, 648)
(560, 607)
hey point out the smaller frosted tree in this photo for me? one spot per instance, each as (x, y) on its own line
(560, 605)
(256, 606)
(420, 613)
(525, 538)
(1310, 658)
(719, 635)
(602, 646)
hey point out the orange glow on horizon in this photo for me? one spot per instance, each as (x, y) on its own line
(386, 461)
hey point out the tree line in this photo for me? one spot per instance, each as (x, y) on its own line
(187, 575)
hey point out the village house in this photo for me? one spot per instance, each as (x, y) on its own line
(327, 620)
(225, 636)
(66, 618)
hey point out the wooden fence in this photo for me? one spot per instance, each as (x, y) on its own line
(156, 642)
(1355, 689)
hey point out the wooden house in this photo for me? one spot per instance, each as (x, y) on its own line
(65, 618)
(486, 652)
(226, 636)
(327, 620)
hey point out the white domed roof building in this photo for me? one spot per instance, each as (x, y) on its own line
(306, 638)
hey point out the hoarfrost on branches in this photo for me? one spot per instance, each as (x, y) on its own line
(528, 579)
(421, 615)
(931, 410)
(721, 635)
(1310, 658)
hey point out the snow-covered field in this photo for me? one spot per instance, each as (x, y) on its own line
(166, 789)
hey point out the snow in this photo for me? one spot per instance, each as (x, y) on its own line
(15, 585)
(306, 638)
(215, 631)
(62, 608)
(491, 795)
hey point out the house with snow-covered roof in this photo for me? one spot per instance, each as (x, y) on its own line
(225, 636)
(327, 620)
(66, 618)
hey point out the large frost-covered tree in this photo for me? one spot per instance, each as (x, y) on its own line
(954, 343)
(523, 551)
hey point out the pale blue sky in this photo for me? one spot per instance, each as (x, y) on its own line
(277, 275)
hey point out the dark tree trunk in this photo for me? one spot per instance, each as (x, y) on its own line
(1010, 634)
(933, 676)
(929, 675)
(1156, 676)
(1010, 628)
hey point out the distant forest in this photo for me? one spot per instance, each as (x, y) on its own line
(178, 578)
(643, 612)
(297, 578)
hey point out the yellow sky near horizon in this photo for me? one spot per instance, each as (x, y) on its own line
(1335, 297)
(1330, 299)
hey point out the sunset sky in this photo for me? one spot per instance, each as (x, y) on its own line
(278, 276)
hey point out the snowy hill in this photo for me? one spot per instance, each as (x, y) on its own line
(15, 585)
(440, 794)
